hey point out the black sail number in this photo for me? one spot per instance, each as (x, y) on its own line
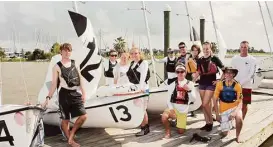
(127, 117)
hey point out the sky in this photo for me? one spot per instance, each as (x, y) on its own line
(32, 25)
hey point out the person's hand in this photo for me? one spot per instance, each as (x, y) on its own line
(186, 87)
(215, 82)
(83, 98)
(45, 103)
(218, 118)
(172, 113)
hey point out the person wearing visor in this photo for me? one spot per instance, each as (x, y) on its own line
(170, 65)
(228, 94)
(180, 95)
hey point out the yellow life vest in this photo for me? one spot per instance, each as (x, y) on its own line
(191, 66)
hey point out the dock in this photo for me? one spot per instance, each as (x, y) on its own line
(257, 127)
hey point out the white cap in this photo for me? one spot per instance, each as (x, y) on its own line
(180, 67)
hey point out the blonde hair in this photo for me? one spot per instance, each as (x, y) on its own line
(137, 49)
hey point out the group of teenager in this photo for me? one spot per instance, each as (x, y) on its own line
(229, 95)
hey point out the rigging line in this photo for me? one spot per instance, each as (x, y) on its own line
(1, 83)
(270, 17)
(214, 24)
(190, 24)
(265, 27)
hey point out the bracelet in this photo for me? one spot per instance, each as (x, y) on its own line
(48, 97)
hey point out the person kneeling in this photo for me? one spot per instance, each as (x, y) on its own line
(229, 93)
(180, 96)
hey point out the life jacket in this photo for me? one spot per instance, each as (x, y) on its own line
(191, 66)
(228, 94)
(70, 74)
(109, 73)
(180, 95)
(170, 67)
(207, 67)
(182, 59)
(134, 75)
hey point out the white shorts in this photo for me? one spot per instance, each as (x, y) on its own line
(226, 124)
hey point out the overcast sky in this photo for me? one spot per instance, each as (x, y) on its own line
(237, 21)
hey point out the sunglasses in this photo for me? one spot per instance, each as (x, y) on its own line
(170, 52)
(180, 72)
(180, 47)
(113, 55)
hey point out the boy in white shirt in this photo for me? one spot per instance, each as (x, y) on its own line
(246, 65)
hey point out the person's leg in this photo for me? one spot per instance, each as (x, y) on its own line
(207, 108)
(66, 128)
(145, 129)
(244, 110)
(239, 124)
(165, 120)
(181, 122)
(246, 101)
(202, 93)
(79, 122)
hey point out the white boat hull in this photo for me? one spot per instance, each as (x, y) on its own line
(20, 123)
(108, 112)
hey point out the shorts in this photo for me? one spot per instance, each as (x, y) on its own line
(226, 124)
(180, 117)
(207, 87)
(70, 103)
(246, 95)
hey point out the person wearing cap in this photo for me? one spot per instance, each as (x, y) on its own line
(228, 93)
(170, 65)
(180, 95)
(109, 65)
(71, 102)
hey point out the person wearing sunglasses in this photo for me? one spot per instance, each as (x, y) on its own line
(109, 65)
(183, 53)
(170, 65)
(228, 93)
(180, 95)
(246, 65)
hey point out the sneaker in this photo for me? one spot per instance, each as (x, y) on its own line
(204, 128)
(209, 127)
(144, 131)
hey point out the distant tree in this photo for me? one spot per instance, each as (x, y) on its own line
(119, 45)
(214, 47)
(2, 54)
(37, 54)
(55, 49)
(48, 55)
(261, 51)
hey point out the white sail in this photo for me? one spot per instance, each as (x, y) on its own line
(87, 59)
(221, 46)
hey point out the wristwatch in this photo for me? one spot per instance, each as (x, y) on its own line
(48, 97)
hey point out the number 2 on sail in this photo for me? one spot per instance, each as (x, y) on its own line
(125, 112)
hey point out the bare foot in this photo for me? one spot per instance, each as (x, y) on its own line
(238, 140)
(73, 144)
(167, 136)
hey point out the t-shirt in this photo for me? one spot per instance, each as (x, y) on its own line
(226, 106)
(246, 67)
(120, 74)
(208, 79)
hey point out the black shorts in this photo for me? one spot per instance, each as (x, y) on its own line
(70, 102)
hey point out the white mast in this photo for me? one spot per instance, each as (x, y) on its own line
(214, 24)
(265, 27)
(189, 20)
(75, 7)
(149, 41)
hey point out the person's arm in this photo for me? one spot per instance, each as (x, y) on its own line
(251, 72)
(215, 99)
(170, 92)
(143, 72)
(163, 60)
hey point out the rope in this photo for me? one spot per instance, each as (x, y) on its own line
(214, 24)
(1, 83)
(25, 85)
(190, 25)
(270, 17)
(265, 27)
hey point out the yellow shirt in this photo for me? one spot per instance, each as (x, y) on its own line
(225, 106)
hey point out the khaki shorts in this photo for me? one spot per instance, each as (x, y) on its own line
(226, 124)
(180, 117)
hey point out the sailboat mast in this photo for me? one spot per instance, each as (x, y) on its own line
(149, 41)
(189, 20)
(75, 7)
(214, 24)
(265, 27)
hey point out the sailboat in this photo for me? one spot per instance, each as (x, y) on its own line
(125, 111)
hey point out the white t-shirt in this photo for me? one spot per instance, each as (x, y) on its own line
(143, 68)
(165, 60)
(180, 107)
(247, 67)
(120, 74)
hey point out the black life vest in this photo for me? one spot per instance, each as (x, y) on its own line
(70, 74)
(182, 59)
(207, 67)
(228, 94)
(109, 73)
(180, 95)
(134, 75)
(170, 67)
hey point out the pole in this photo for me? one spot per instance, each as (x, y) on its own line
(270, 17)
(149, 41)
(189, 20)
(75, 6)
(214, 24)
(265, 27)
(166, 34)
(202, 29)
